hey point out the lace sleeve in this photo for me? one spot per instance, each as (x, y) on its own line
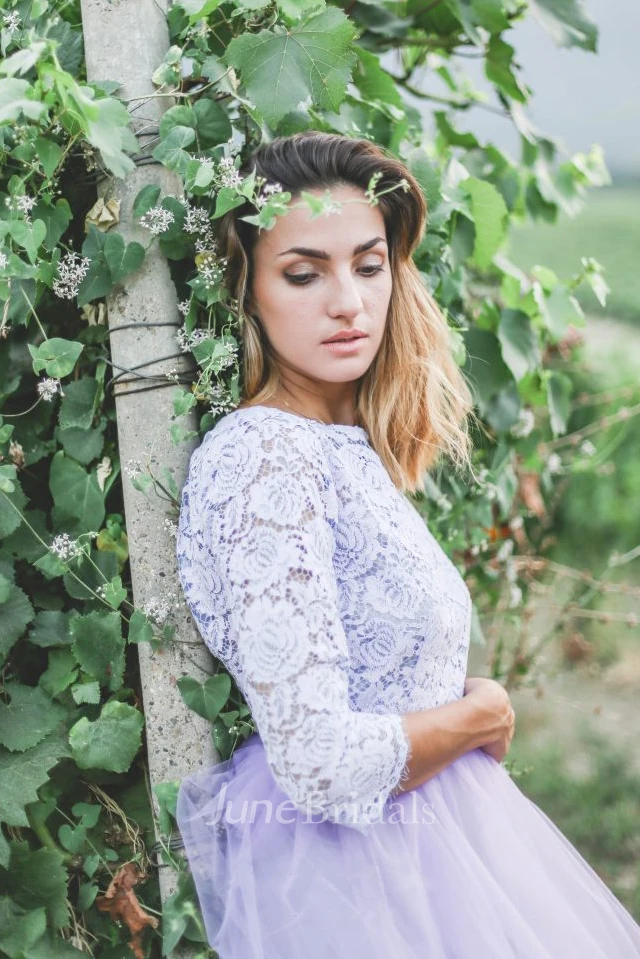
(258, 511)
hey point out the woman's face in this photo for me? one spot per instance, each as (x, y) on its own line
(309, 283)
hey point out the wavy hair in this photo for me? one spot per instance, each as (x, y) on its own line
(413, 399)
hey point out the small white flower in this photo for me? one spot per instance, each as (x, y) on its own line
(3, 260)
(132, 469)
(587, 448)
(65, 548)
(170, 526)
(21, 204)
(186, 341)
(48, 387)
(211, 269)
(159, 609)
(197, 220)
(72, 269)
(11, 21)
(206, 243)
(183, 307)
(157, 220)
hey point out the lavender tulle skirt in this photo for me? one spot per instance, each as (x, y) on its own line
(465, 866)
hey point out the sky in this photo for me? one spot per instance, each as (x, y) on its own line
(579, 97)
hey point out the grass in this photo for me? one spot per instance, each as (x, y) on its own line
(608, 228)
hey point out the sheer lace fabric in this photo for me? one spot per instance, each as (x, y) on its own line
(320, 587)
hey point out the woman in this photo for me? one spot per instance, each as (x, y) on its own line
(369, 816)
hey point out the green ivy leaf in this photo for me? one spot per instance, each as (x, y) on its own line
(499, 70)
(57, 357)
(78, 404)
(567, 23)
(170, 151)
(15, 99)
(148, 196)
(49, 154)
(56, 218)
(490, 216)
(485, 368)
(111, 742)
(79, 501)
(519, 342)
(140, 628)
(208, 698)
(558, 396)
(281, 67)
(122, 258)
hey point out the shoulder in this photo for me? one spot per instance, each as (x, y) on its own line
(258, 446)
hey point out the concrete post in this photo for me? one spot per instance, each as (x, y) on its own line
(126, 41)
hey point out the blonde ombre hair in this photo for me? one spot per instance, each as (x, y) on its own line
(413, 400)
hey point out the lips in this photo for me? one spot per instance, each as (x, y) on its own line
(342, 338)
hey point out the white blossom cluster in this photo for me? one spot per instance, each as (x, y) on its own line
(220, 401)
(157, 220)
(72, 269)
(132, 469)
(11, 21)
(48, 388)
(170, 526)
(197, 221)
(211, 269)
(65, 547)
(158, 609)
(227, 174)
(267, 191)
(21, 204)
(184, 307)
(186, 341)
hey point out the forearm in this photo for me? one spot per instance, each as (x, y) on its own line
(440, 735)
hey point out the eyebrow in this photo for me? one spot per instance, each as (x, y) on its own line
(323, 255)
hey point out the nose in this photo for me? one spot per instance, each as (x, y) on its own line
(345, 298)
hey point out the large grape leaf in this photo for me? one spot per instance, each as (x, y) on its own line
(16, 612)
(111, 742)
(28, 717)
(282, 67)
(22, 774)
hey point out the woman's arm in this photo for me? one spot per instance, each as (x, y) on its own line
(438, 736)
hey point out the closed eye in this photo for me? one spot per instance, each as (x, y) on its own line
(301, 279)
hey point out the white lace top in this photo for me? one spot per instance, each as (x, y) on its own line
(320, 587)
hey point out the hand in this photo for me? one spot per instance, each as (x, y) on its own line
(496, 712)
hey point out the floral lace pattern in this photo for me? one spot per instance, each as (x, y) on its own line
(320, 587)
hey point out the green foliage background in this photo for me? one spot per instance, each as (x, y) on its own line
(74, 803)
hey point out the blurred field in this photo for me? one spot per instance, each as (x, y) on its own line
(608, 228)
(576, 752)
